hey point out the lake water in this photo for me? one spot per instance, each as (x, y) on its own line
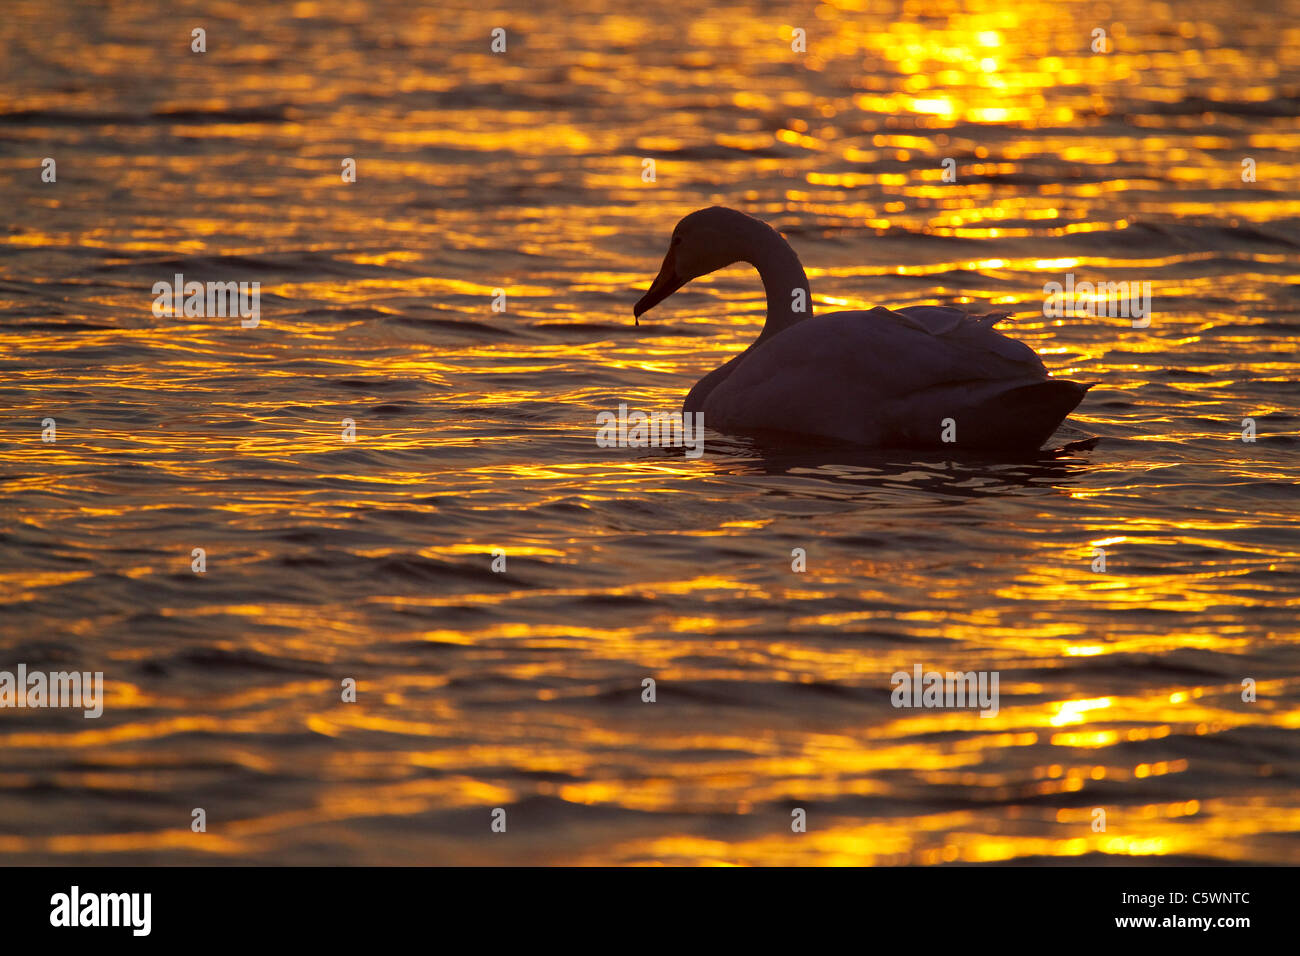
(524, 172)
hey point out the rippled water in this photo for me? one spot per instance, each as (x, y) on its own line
(475, 429)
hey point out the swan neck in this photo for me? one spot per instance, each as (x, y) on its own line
(789, 297)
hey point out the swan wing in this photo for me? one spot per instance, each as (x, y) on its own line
(869, 376)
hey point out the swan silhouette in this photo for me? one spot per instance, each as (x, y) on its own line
(876, 377)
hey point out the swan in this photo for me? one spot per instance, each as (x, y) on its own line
(919, 376)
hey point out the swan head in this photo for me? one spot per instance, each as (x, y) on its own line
(704, 241)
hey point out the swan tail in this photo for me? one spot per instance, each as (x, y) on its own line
(1023, 417)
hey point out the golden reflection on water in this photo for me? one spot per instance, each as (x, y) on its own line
(523, 174)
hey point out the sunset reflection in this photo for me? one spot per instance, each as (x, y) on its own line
(520, 176)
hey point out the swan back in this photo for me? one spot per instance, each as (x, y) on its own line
(875, 377)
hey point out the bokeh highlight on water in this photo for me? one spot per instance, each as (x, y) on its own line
(475, 430)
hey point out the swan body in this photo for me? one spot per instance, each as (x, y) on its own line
(917, 377)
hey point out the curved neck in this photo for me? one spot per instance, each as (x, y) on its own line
(789, 297)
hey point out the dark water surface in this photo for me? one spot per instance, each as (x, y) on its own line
(475, 431)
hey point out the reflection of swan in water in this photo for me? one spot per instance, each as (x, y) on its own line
(921, 376)
(840, 472)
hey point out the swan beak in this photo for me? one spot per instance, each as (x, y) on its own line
(665, 284)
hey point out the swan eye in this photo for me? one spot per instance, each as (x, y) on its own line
(676, 241)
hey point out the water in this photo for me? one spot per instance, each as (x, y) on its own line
(475, 431)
